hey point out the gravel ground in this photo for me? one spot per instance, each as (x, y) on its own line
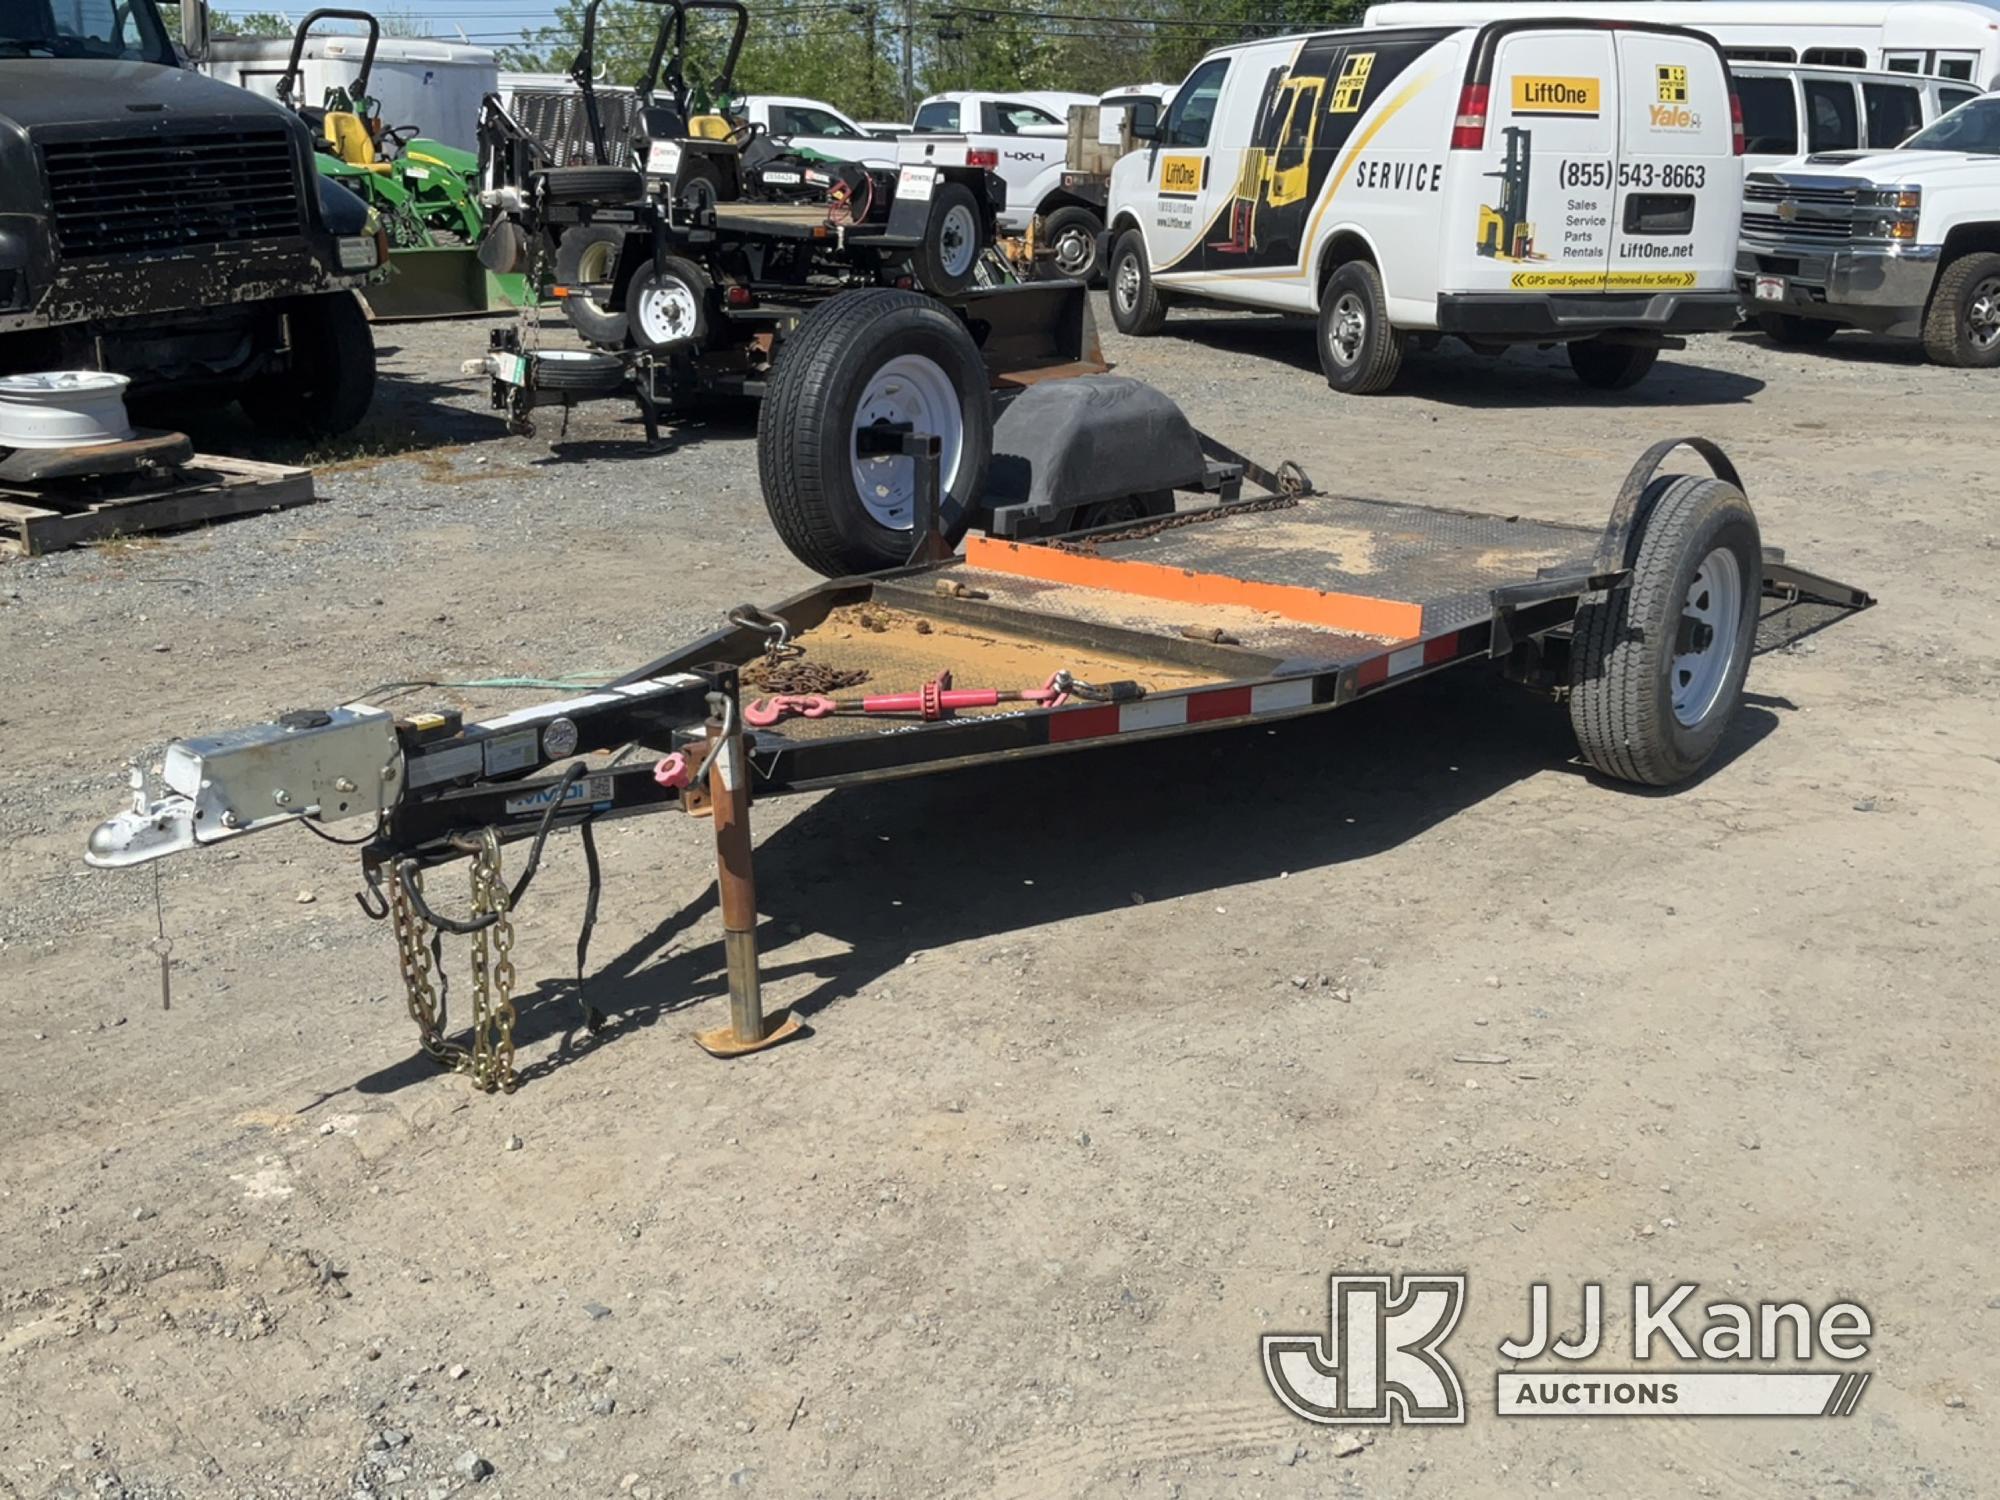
(1114, 1059)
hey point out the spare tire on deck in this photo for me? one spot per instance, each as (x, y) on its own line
(866, 358)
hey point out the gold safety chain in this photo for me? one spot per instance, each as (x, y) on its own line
(489, 1062)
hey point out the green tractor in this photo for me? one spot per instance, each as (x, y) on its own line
(424, 192)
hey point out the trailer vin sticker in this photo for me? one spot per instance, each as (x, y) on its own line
(591, 789)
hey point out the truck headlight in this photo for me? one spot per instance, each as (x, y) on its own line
(1888, 214)
(358, 252)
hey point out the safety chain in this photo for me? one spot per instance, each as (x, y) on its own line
(1089, 545)
(489, 1063)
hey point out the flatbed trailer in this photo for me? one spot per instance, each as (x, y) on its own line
(1242, 613)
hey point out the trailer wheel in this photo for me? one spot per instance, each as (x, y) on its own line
(944, 262)
(593, 184)
(330, 381)
(581, 372)
(1136, 304)
(1071, 234)
(666, 306)
(867, 358)
(1657, 667)
(589, 255)
(1962, 327)
(1359, 350)
(1789, 328)
(1610, 367)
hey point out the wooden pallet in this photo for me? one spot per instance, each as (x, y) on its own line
(48, 518)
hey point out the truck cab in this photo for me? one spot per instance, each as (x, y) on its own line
(168, 227)
(1903, 242)
(1022, 138)
(814, 125)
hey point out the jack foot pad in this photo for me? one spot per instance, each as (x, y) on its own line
(722, 1041)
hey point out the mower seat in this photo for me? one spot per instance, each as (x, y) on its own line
(709, 128)
(352, 142)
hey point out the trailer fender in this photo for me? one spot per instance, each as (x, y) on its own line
(1064, 445)
(1614, 549)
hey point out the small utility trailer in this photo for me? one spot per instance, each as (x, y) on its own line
(1244, 612)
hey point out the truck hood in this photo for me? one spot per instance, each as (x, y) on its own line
(1891, 166)
(41, 91)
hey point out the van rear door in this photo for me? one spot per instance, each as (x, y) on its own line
(1679, 179)
(1536, 206)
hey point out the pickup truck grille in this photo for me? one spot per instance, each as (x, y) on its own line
(163, 193)
(1775, 210)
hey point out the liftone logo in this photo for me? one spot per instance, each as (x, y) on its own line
(1557, 96)
(1382, 1357)
(1180, 176)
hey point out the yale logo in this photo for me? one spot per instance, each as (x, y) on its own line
(1352, 83)
(1180, 176)
(1673, 84)
(1556, 96)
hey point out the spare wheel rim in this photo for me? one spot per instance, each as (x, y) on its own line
(1706, 637)
(958, 240)
(667, 310)
(910, 388)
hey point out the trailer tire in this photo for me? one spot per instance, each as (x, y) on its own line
(1610, 367)
(1360, 352)
(581, 372)
(902, 356)
(666, 305)
(953, 238)
(1791, 329)
(330, 381)
(1071, 234)
(1962, 327)
(589, 253)
(1656, 668)
(593, 184)
(1137, 308)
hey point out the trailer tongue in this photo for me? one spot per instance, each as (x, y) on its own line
(1266, 609)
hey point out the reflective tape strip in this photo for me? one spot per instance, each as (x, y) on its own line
(1208, 707)
(1378, 670)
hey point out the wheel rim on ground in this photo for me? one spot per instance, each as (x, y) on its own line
(1348, 330)
(1075, 250)
(914, 389)
(667, 311)
(1127, 289)
(958, 240)
(1706, 644)
(595, 267)
(1982, 315)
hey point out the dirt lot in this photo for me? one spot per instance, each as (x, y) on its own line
(1115, 1058)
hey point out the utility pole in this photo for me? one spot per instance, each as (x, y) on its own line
(909, 59)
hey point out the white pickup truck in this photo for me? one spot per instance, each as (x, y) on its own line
(815, 125)
(1024, 138)
(1903, 242)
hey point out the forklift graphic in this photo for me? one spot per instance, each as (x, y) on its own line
(1277, 166)
(1505, 233)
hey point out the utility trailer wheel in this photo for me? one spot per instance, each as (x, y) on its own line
(1136, 304)
(666, 306)
(580, 372)
(1962, 327)
(593, 184)
(867, 358)
(1360, 352)
(588, 255)
(1071, 234)
(1657, 667)
(945, 261)
(1791, 329)
(1610, 367)
(326, 388)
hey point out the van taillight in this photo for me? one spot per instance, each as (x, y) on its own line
(988, 158)
(1735, 122)
(1468, 130)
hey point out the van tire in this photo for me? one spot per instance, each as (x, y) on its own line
(581, 254)
(1789, 328)
(806, 431)
(1962, 328)
(1071, 234)
(1137, 308)
(1698, 558)
(1610, 367)
(1360, 352)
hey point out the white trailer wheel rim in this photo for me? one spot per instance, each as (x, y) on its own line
(1714, 599)
(914, 389)
(958, 240)
(667, 310)
(1349, 328)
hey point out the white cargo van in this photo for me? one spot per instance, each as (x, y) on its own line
(1521, 181)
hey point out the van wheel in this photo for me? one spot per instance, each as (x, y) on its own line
(1656, 668)
(589, 256)
(945, 261)
(1962, 327)
(864, 359)
(1789, 328)
(1137, 307)
(1358, 349)
(1610, 367)
(1071, 234)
